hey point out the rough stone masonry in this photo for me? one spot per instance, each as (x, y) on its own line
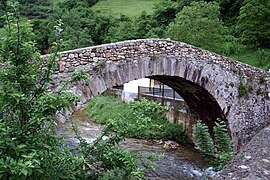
(213, 86)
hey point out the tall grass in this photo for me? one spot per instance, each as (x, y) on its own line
(258, 58)
(145, 119)
(103, 108)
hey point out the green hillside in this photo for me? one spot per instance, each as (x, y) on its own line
(225, 28)
(129, 8)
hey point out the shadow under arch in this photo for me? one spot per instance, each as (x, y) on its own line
(201, 103)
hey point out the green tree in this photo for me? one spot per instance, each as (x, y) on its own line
(77, 24)
(146, 25)
(230, 10)
(29, 147)
(165, 12)
(218, 149)
(83, 26)
(202, 139)
(35, 9)
(254, 23)
(43, 34)
(199, 25)
(124, 30)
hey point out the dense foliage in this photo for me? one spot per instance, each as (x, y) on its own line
(139, 119)
(218, 149)
(234, 28)
(199, 25)
(29, 147)
(254, 23)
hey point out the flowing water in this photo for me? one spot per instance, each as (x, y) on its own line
(177, 161)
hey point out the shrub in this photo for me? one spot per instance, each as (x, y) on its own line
(219, 149)
(231, 45)
(263, 58)
(223, 144)
(29, 147)
(140, 119)
(202, 139)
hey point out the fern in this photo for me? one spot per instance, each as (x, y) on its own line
(202, 139)
(220, 149)
(222, 140)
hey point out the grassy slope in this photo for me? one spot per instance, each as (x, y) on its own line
(108, 109)
(129, 8)
(252, 58)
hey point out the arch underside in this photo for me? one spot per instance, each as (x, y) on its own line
(169, 71)
(201, 103)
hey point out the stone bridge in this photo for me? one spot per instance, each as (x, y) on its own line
(213, 86)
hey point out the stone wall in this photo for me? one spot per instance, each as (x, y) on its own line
(253, 162)
(212, 85)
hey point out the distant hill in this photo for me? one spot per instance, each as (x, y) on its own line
(129, 8)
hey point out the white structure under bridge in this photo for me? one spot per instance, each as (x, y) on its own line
(156, 91)
(133, 90)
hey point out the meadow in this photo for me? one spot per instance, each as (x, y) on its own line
(129, 8)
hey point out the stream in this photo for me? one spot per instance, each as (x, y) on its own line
(177, 161)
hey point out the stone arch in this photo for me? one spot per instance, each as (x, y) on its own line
(198, 75)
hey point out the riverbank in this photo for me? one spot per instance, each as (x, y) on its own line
(141, 119)
(176, 162)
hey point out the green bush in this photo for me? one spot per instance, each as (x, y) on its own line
(172, 132)
(231, 46)
(202, 139)
(219, 149)
(139, 119)
(263, 58)
(29, 147)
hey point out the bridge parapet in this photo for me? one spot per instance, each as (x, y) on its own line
(149, 47)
